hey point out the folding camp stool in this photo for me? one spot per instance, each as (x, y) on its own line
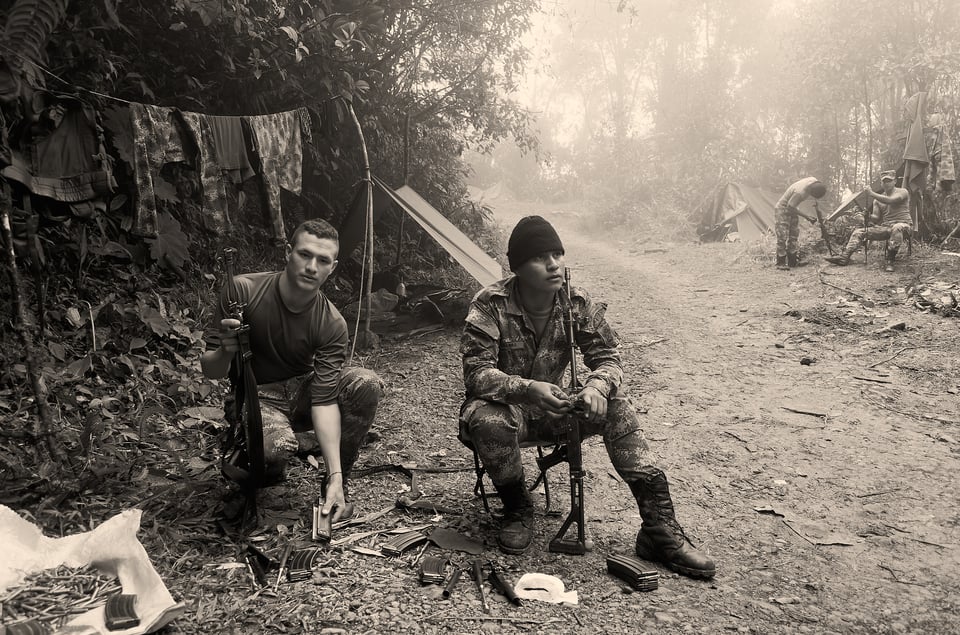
(886, 246)
(479, 489)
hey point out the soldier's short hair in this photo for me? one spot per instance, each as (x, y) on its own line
(319, 228)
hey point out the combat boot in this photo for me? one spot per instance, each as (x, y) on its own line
(843, 259)
(782, 263)
(661, 538)
(891, 258)
(516, 528)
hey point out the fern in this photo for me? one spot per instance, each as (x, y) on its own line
(29, 24)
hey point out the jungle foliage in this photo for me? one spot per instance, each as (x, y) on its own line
(649, 106)
(114, 323)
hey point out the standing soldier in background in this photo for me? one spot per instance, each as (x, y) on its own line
(787, 218)
(891, 213)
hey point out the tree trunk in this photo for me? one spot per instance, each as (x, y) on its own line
(43, 433)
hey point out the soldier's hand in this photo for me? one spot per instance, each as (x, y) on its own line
(228, 335)
(334, 500)
(549, 397)
(594, 403)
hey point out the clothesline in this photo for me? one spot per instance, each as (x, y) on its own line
(112, 97)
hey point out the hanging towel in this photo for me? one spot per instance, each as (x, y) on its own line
(156, 141)
(213, 193)
(278, 141)
(231, 150)
(915, 155)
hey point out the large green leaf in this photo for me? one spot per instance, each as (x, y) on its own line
(171, 245)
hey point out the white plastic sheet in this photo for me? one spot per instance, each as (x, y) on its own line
(112, 548)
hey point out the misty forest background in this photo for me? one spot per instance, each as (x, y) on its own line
(634, 110)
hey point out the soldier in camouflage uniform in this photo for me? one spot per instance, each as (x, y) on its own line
(787, 218)
(515, 353)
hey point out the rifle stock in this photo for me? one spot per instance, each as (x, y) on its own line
(243, 450)
(572, 440)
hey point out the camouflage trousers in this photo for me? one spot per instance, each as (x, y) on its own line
(787, 225)
(497, 431)
(288, 427)
(896, 234)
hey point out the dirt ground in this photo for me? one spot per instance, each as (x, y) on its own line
(840, 518)
(840, 521)
(811, 452)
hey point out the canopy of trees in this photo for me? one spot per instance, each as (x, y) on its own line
(646, 106)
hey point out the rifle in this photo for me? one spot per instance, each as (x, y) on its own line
(823, 228)
(243, 456)
(572, 440)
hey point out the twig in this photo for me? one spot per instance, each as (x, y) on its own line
(886, 491)
(882, 361)
(735, 436)
(919, 416)
(785, 522)
(873, 379)
(950, 235)
(894, 575)
(830, 284)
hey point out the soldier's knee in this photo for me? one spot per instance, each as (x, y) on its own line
(491, 422)
(362, 387)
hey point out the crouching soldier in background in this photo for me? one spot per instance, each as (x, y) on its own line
(515, 351)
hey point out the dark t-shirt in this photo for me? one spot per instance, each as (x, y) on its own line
(286, 344)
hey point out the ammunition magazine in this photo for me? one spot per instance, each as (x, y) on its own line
(32, 627)
(433, 570)
(120, 612)
(631, 570)
(396, 546)
(300, 564)
(322, 525)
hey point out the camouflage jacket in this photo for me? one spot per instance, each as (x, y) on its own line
(501, 356)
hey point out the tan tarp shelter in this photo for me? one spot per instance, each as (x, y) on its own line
(747, 210)
(477, 263)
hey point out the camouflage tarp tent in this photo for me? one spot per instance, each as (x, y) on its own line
(743, 209)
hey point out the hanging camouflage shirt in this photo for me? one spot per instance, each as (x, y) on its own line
(501, 356)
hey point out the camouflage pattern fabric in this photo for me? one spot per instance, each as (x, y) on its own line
(156, 141)
(501, 357)
(212, 186)
(896, 234)
(498, 430)
(787, 226)
(279, 143)
(287, 426)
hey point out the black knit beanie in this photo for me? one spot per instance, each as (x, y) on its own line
(532, 236)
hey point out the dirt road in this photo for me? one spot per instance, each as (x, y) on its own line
(844, 520)
(811, 452)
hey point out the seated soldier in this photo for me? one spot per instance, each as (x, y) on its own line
(298, 337)
(891, 213)
(515, 352)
